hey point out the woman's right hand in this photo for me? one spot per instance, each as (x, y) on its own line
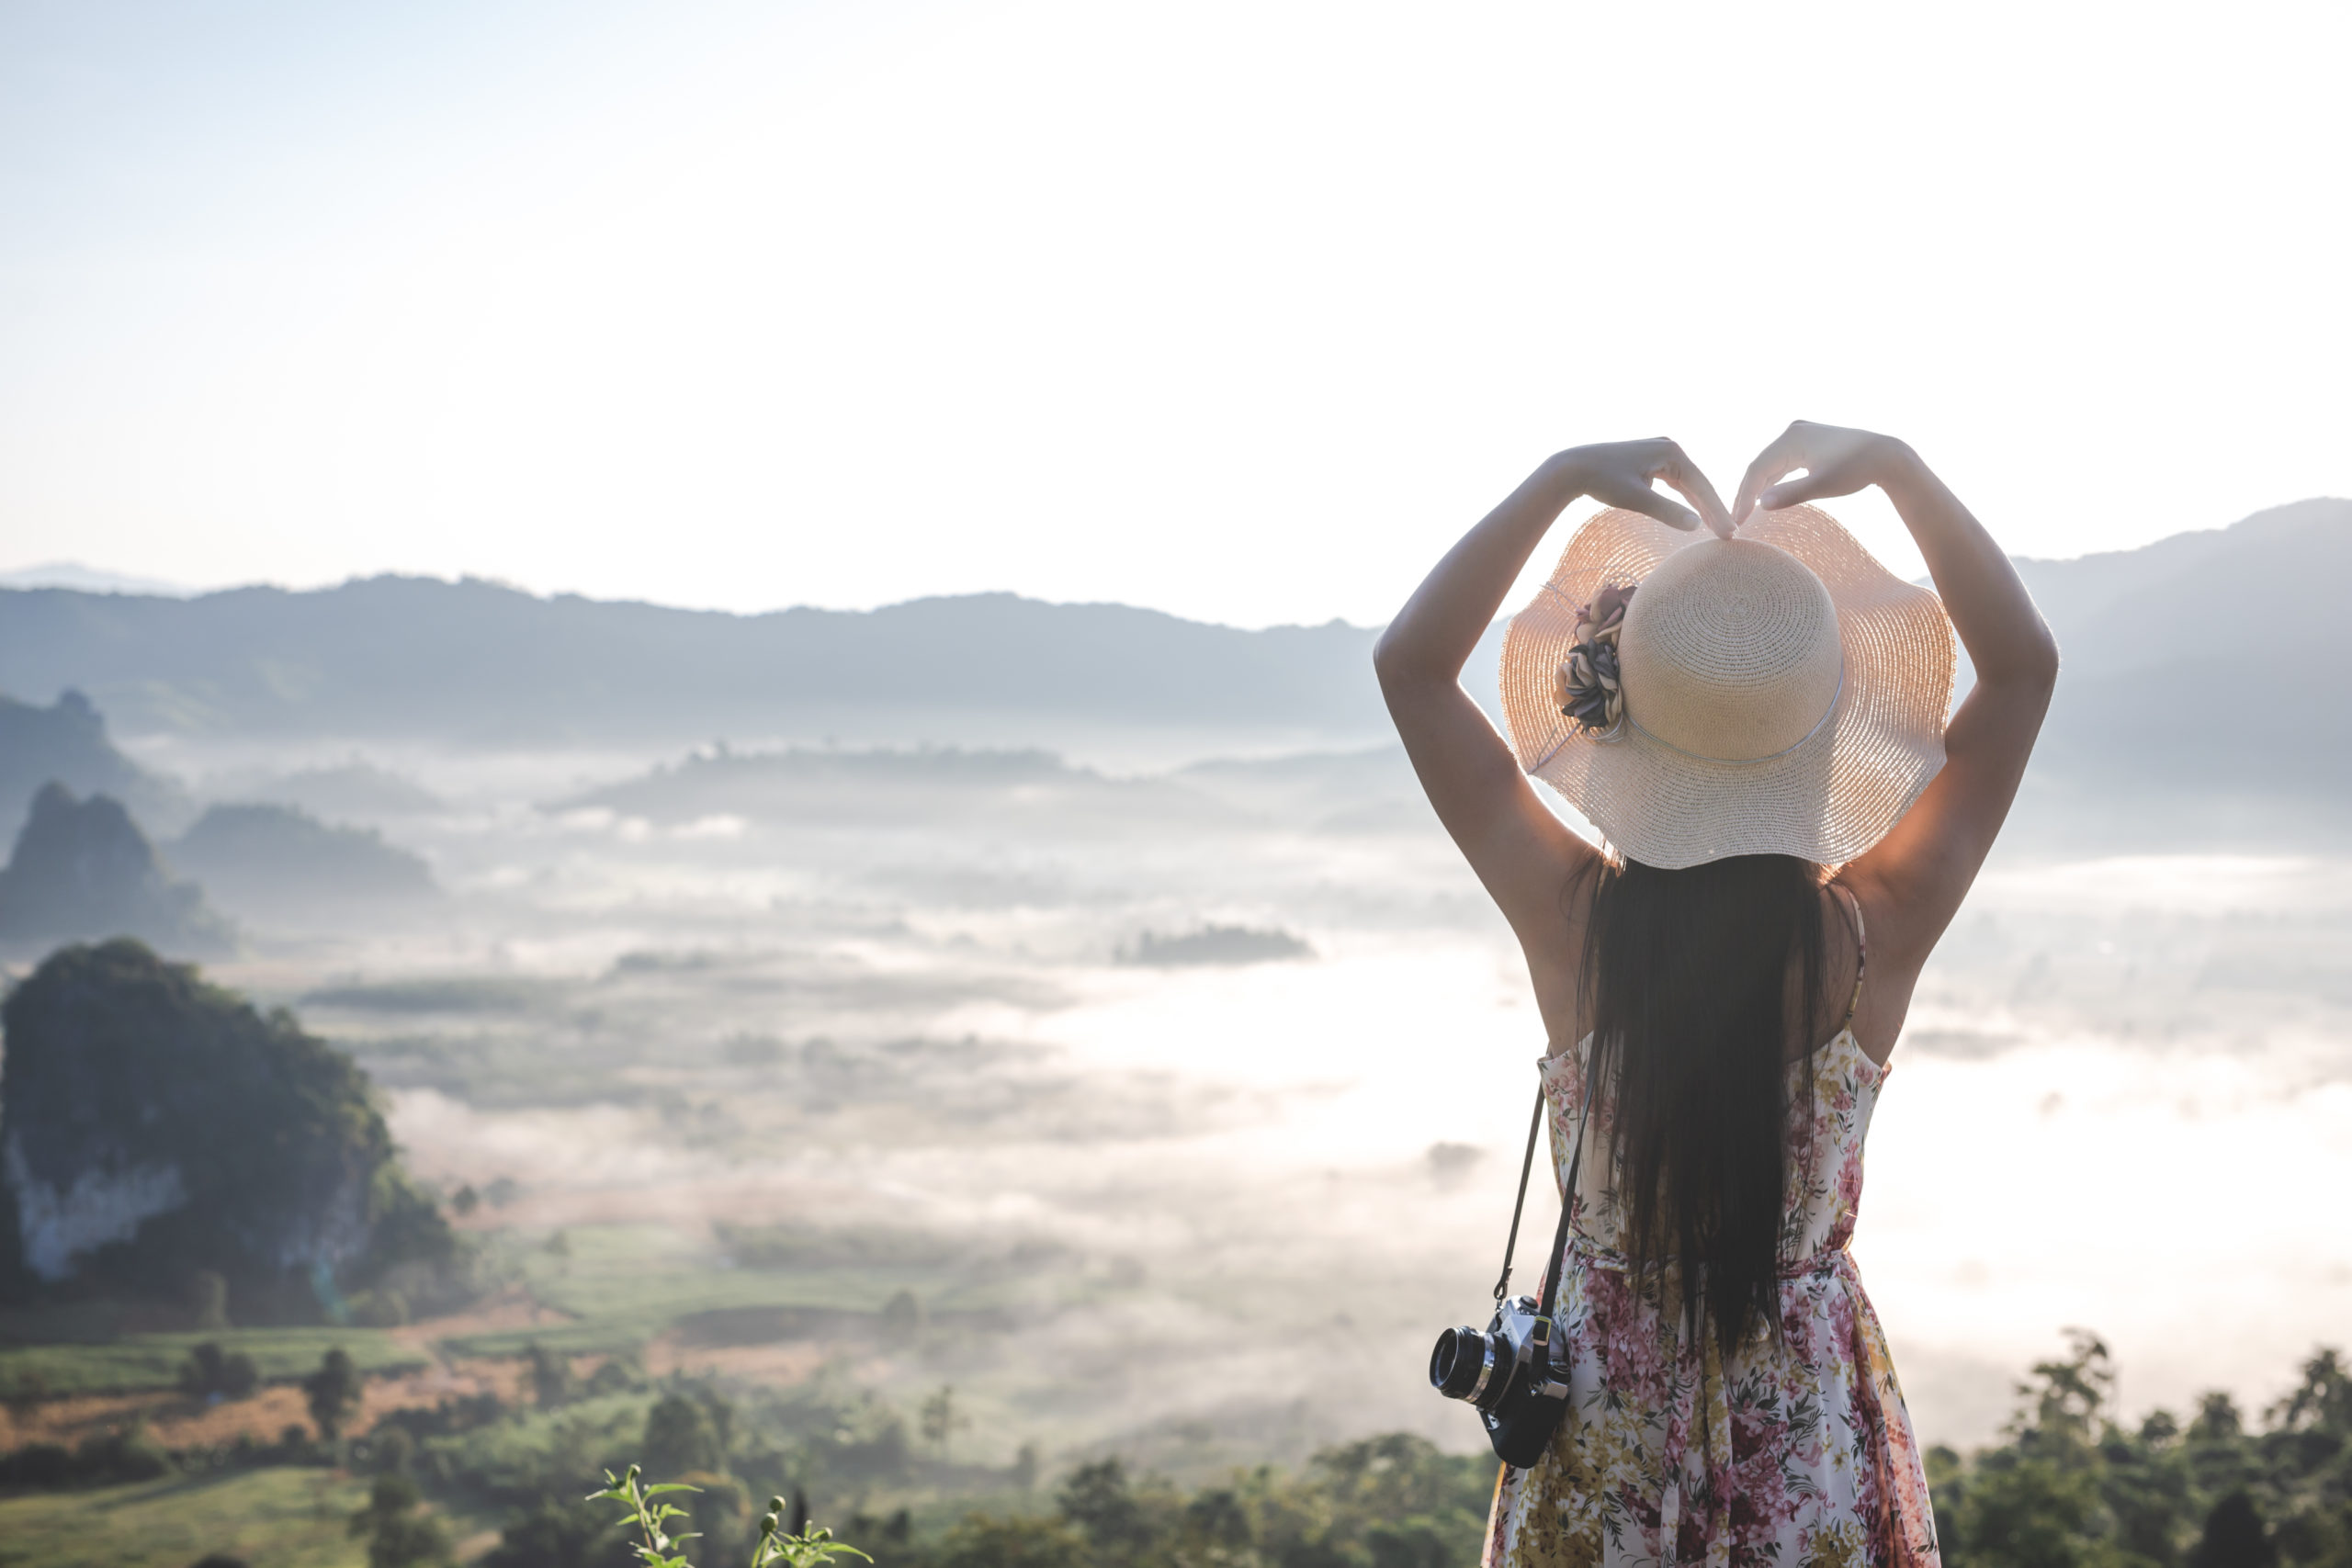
(1837, 461)
(1618, 473)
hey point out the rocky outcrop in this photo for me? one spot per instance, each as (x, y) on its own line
(278, 861)
(82, 868)
(155, 1127)
(67, 741)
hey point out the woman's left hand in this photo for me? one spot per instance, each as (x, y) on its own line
(1618, 473)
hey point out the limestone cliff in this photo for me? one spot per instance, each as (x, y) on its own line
(67, 741)
(82, 868)
(154, 1125)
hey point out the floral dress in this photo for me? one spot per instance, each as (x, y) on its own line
(1789, 1454)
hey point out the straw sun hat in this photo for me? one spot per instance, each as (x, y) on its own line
(1776, 693)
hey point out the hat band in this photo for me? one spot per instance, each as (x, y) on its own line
(1627, 718)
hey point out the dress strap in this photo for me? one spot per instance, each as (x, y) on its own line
(1861, 955)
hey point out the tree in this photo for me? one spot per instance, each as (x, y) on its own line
(680, 1437)
(942, 1420)
(207, 1299)
(981, 1541)
(2036, 1503)
(1218, 1518)
(392, 1451)
(561, 1535)
(400, 1534)
(2071, 1488)
(334, 1393)
(2234, 1537)
(2218, 1420)
(1099, 1501)
(2323, 1401)
(550, 1375)
(901, 1314)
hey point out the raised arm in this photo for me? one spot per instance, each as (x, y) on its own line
(1518, 848)
(1914, 880)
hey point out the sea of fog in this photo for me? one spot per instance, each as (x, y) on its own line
(2123, 1101)
(2184, 1200)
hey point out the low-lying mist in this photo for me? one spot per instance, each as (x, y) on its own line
(1184, 1105)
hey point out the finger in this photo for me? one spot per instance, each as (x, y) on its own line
(1773, 464)
(1667, 509)
(1683, 474)
(1791, 493)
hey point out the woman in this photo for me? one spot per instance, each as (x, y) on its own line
(1753, 717)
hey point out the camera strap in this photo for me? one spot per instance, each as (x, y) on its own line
(1567, 1204)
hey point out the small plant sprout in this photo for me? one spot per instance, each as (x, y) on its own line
(660, 1549)
(812, 1548)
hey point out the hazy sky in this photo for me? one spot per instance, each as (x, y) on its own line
(1238, 311)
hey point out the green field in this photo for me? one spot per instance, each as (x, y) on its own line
(624, 1284)
(142, 1362)
(285, 1517)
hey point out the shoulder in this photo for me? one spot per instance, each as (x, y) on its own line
(1887, 957)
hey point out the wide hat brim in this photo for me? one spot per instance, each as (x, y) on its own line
(1826, 799)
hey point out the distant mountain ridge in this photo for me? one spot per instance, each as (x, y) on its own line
(2207, 662)
(476, 662)
(2202, 664)
(89, 579)
(281, 861)
(2272, 584)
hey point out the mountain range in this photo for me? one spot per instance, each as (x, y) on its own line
(2199, 672)
(473, 662)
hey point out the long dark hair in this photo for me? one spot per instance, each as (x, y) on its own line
(1688, 978)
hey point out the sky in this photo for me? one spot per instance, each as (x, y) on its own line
(1242, 312)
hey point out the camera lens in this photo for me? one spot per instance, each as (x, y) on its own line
(1456, 1363)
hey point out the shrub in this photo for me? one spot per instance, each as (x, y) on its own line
(115, 1457)
(211, 1373)
(41, 1466)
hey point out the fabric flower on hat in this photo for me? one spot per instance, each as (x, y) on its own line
(1590, 692)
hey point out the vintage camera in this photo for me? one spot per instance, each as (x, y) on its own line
(1511, 1372)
